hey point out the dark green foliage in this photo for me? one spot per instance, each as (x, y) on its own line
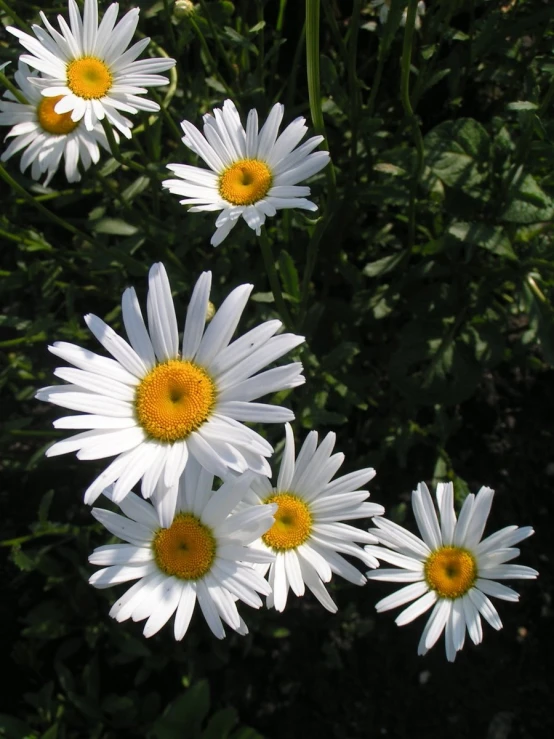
(429, 322)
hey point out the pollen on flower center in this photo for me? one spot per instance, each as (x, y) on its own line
(245, 182)
(450, 571)
(59, 124)
(174, 399)
(88, 77)
(186, 549)
(293, 522)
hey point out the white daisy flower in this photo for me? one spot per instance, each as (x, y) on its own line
(384, 6)
(89, 68)
(253, 174)
(46, 136)
(153, 405)
(307, 537)
(202, 554)
(450, 568)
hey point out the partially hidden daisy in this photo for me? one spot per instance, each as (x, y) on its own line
(46, 136)
(451, 568)
(202, 554)
(155, 403)
(251, 173)
(384, 9)
(88, 68)
(308, 535)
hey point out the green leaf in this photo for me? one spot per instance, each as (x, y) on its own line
(491, 238)
(528, 203)
(289, 274)
(458, 153)
(13, 728)
(522, 105)
(384, 265)
(184, 716)
(220, 724)
(114, 226)
(541, 318)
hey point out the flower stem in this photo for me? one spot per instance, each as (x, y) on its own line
(13, 89)
(314, 86)
(20, 22)
(48, 213)
(269, 261)
(407, 105)
(116, 153)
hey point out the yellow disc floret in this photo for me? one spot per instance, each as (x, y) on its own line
(174, 399)
(186, 549)
(245, 182)
(450, 571)
(59, 124)
(293, 522)
(88, 78)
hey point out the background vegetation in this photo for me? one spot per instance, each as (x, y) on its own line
(425, 289)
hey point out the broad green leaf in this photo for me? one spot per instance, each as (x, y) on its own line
(528, 203)
(491, 238)
(458, 153)
(289, 274)
(114, 226)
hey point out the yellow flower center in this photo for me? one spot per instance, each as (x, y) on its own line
(245, 182)
(186, 549)
(88, 77)
(451, 571)
(58, 124)
(293, 522)
(174, 399)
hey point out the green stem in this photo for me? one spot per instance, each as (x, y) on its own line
(314, 85)
(269, 261)
(218, 45)
(354, 87)
(48, 213)
(213, 68)
(407, 105)
(375, 84)
(169, 120)
(30, 537)
(311, 259)
(116, 153)
(13, 89)
(19, 21)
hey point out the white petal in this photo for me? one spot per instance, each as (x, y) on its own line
(185, 609)
(435, 625)
(162, 322)
(417, 608)
(402, 596)
(485, 608)
(196, 315)
(223, 325)
(168, 600)
(286, 470)
(136, 329)
(426, 517)
(117, 346)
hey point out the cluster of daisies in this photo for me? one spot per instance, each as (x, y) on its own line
(214, 522)
(85, 80)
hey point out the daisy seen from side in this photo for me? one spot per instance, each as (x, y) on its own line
(155, 403)
(451, 568)
(202, 555)
(308, 536)
(46, 136)
(251, 173)
(88, 68)
(384, 10)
